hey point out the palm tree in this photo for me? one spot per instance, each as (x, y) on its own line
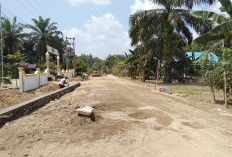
(223, 29)
(12, 35)
(166, 26)
(144, 35)
(43, 33)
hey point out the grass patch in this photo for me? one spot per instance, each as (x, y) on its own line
(188, 89)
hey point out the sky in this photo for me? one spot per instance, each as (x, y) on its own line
(99, 26)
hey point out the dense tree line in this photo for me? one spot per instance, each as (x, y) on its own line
(164, 34)
(157, 35)
(27, 43)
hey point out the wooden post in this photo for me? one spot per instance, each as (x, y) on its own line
(225, 88)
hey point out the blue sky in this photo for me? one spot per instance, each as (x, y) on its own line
(100, 26)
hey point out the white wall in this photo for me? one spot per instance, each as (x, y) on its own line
(32, 81)
(44, 78)
(68, 73)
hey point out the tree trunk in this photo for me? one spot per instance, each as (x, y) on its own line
(214, 98)
(142, 75)
(16, 83)
(167, 75)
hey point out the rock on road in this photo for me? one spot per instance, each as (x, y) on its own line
(131, 120)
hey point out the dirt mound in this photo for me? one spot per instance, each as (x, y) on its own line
(78, 78)
(46, 89)
(10, 97)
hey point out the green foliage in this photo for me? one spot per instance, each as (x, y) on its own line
(119, 69)
(12, 35)
(163, 33)
(212, 71)
(53, 68)
(6, 80)
(92, 63)
(44, 33)
(223, 27)
(112, 64)
(13, 63)
(80, 66)
(88, 59)
(97, 65)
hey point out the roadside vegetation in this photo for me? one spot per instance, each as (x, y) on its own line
(163, 43)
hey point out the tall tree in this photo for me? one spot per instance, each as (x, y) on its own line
(166, 26)
(43, 32)
(12, 35)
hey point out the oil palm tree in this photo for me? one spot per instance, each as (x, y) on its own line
(12, 35)
(141, 32)
(43, 33)
(166, 26)
(223, 28)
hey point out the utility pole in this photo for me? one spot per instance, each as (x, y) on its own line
(1, 44)
(73, 43)
(66, 54)
(73, 53)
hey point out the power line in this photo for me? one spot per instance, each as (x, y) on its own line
(7, 11)
(25, 7)
(12, 21)
(7, 17)
(45, 11)
(34, 9)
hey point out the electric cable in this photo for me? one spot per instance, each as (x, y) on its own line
(26, 7)
(45, 11)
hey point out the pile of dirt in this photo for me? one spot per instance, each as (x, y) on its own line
(78, 78)
(10, 97)
(47, 89)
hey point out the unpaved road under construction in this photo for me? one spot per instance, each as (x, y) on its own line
(131, 120)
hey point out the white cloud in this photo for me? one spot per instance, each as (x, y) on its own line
(143, 5)
(101, 36)
(98, 25)
(214, 8)
(95, 2)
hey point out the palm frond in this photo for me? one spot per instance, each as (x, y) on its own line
(208, 15)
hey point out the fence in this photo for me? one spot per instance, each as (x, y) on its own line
(32, 81)
(68, 73)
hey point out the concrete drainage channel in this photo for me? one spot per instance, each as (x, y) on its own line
(24, 108)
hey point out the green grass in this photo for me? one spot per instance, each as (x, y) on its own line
(187, 89)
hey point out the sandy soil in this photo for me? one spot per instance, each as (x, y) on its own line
(9, 97)
(131, 120)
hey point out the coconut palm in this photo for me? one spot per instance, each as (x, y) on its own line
(43, 33)
(166, 26)
(12, 35)
(223, 28)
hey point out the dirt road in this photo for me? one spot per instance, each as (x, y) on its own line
(131, 120)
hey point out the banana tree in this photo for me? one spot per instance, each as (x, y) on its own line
(223, 24)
